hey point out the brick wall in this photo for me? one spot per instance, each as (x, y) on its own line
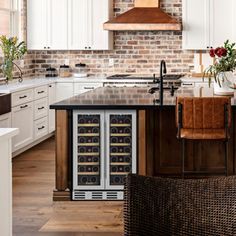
(134, 52)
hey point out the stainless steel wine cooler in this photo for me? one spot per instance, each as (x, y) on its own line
(104, 153)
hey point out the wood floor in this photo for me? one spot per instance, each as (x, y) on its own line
(33, 209)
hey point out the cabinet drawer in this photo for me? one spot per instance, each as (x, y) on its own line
(21, 97)
(83, 88)
(40, 108)
(40, 128)
(41, 92)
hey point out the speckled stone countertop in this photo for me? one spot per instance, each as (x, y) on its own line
(120, 98)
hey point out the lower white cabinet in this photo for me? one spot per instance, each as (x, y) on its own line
(51, 113)
(64, 91)
(40, 108)
(5, 121)
(80, 88)
(22, 118)
(40, 128)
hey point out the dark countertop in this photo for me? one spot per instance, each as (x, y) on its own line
(122, 98)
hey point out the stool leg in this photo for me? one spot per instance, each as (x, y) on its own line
(183, 157)
(226, 158)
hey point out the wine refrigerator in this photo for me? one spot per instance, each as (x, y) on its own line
(104, 152)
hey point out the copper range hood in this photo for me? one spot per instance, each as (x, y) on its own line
(146, 15)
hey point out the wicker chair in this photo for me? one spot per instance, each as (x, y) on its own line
(158, 206)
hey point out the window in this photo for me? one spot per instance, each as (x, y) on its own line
(9, 17)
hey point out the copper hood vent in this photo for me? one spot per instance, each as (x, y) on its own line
(146, 15)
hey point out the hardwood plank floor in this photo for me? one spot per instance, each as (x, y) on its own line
(33, 208)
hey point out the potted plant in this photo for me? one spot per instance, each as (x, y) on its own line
(11, 50)
(222, 69)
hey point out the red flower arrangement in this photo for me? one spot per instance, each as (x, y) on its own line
(225, 61)
(219, 52)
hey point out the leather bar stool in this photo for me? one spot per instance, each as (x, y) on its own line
(203, 118)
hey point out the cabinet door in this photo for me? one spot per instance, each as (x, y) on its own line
(88, 150)
(58, 24)
(51, 113)
(121, 147)
(78, 24)
(99, 39)
(196, 24)
(222, 21)
(64, 91)
(22, 118)
(37, 26)
(5, 121)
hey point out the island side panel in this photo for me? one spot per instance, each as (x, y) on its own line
(62, 191)
(200, 155)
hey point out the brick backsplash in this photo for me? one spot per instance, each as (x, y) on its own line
(137, 52)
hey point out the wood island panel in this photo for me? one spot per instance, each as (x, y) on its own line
(62, 191)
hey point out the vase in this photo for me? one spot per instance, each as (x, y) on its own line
(224, 84)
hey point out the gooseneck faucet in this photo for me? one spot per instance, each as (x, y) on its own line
(162, 71)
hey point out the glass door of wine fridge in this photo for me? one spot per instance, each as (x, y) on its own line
(88, 145)
(120, 147)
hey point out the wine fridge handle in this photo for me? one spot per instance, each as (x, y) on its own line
(105, 149)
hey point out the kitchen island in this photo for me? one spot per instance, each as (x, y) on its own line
(157, 150)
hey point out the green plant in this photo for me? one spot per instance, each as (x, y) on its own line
(12, 50)
(225, 60)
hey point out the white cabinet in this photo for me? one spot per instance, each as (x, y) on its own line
(86, 25)
(37, 27)
(222, 22)
(51, 113)
(5, 121)
(196, 24)
(47, 24)
(22, 118)
(58, 15)
(68, 24)
(208, 23)
(64, 91)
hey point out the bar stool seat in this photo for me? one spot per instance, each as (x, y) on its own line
(208, 134)
(203, 118)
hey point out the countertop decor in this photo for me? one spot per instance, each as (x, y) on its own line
(12, 50)
(222, 70)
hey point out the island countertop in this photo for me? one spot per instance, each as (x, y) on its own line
(122, 98)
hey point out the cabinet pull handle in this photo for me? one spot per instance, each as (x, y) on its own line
(41, 108)
(88, 87)
(40, 128)
(40, 92)
(23, 97)
(23, 106)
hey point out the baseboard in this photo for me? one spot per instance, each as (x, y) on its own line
(18, 152)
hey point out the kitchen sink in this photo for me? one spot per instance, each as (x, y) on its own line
(5, 103)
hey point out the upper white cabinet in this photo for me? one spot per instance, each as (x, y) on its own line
(37, 37)
(222, 22)
(86, 24)
(69, 24)
(47, 24)
(204, 25)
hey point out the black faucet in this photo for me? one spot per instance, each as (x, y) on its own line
(162, 71)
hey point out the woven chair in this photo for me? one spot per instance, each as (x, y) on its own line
(180, 207)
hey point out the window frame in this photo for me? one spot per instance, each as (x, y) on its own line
(14, 12)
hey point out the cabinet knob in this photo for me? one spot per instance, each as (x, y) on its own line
(48, 47)
(44, 47)
(86, 47)
(208, 47)
(50, 86)
(89, 47)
